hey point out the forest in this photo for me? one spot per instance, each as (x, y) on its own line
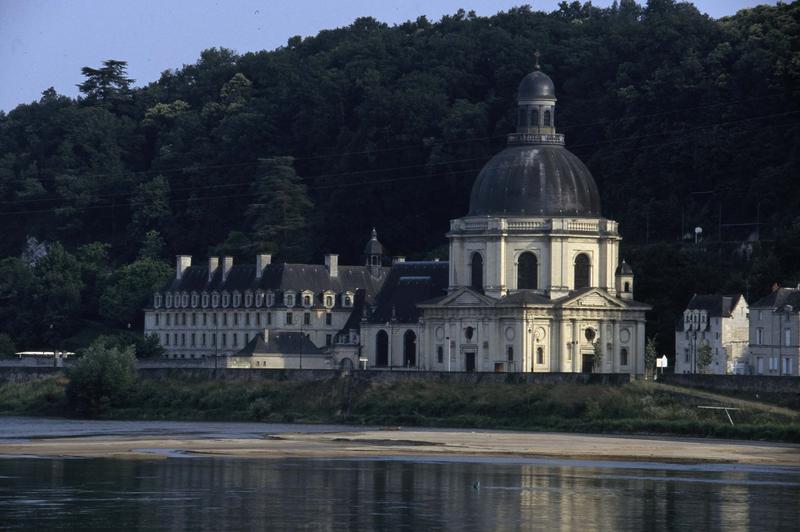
(684, 120)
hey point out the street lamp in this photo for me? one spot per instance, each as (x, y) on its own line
(448, 353)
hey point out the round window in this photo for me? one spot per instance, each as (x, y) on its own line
(590, 334)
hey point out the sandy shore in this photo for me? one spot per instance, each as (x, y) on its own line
(386, 443)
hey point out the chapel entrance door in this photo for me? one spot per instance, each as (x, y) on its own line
(588, 363)
(469, 361)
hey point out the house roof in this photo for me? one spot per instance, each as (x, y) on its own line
(281, 277)
(780, 298)
(283, 343)
(407, 285)
(716, 305)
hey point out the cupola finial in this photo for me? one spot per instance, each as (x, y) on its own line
(536, 55)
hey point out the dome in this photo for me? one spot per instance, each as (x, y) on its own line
(373, 247)
(536, 86)
(624, 269)
(535, 180)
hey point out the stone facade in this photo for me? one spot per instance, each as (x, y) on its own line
(775, 333)
(720, 322)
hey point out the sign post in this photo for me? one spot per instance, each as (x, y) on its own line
(662, 363)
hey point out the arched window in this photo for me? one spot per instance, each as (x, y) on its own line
(440, 354)
(627, 287)
(539, 355)
(623, 357)
(534, 118)
(582, 271)
(382, 349)
(527, 271)
(510, 354)
(547, 117)
(523, 118)
(410, 349)
(476, 279)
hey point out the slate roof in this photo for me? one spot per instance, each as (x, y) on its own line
(283, 343)
(716, 305)
(281, 277)
(407, 285)
(780, 298)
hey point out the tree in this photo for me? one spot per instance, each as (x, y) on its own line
(56, 297)
(102, 377)
(107, 85)
(152, 246)
(7, 347)
(598, 356)
(129, 289)
(704, 357)
(650, 355)
(279, 213)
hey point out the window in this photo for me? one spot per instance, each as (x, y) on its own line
(247, 319)
(307, 300)
(226, 300)
(194, 319)
(469, 332)
(203, 339)
(348, 300)
(237, 299)
(269, 318)
(224, 340)
(787, 337)
(205, 319)
(169, 319)
(157, 318)
(439, 354)
(169, 300)
(382, 349)
(246, 338)
(527, 272)
(759, 336)
(183, 339)
(510, 354)
(192, 339)
(476, 271)
(539, 355)
(547, 117)
(760, 365)
(773, 363)
(288, 318)
(214, 316)
(627, 288)
(582, 267)
(195, 299)
(787, 366)
(166, 339)
(534, 118)
(224, 319)
(590, 334)
(306, 318)
(214, 339)
(258, 318)
(248, 299)
(288, 300)
(329, 301)
(185, 300)
(328, 339)
(686, 355)
(215, 300)
(183, 318)
(623, 357)
(328, 318)
(205, 300)
(259, 299)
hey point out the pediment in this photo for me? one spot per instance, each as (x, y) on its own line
(465, 297)
(593, 299)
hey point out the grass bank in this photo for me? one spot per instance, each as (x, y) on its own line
(636, 408)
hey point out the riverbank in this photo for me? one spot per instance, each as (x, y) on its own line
(158, 440)
(635, 408)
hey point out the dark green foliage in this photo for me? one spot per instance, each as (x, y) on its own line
(7, 347)
(129, 289)
(102, 378)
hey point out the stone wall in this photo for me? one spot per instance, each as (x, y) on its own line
(735, 383)
(150, 371)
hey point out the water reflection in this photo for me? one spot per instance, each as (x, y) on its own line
(214, 494)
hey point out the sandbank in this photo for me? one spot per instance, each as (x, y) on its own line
(416, 442)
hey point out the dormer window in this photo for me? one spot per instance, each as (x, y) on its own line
(259, 299)
(288, 299)
(270, 299)
(308, 299)
(237, 299)
(329, 299)
(204, 299)
(195, 299)
(226, 299)
(347, 300)
(169, 300)
(215, 299)
(248, 299)
(157, 300)
(184, 300)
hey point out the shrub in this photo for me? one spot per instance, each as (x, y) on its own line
(102, 378)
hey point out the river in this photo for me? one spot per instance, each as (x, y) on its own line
(184, 492)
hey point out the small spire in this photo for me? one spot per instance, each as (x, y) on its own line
(536, 55)
(374, 234)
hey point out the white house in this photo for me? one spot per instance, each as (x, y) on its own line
(775, 333)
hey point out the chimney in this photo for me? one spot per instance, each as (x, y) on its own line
(181, 264)
(213, 264)
(397, 260)
(227, 264)
(332, 264)
(262, 261)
